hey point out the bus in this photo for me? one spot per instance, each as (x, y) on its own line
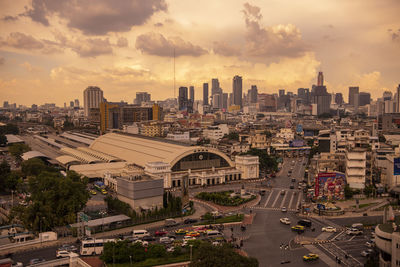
(93, 246)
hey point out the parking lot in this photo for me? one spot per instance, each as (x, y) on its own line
(350, 245)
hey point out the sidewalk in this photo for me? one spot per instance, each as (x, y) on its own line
(225, 209)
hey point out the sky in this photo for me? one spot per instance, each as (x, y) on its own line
(50, 51)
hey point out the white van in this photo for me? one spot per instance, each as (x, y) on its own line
(213, 233)
(140, 233)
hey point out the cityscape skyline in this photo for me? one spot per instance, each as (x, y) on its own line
(57, 53)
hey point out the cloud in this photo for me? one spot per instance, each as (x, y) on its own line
(91, 47)
(156, 44)
(222, 48)
(158, 24)
(30, 68)
(96, 17)
(22, 41)
(274, 41)
(9, 18)
(394, 35)
(122, 42)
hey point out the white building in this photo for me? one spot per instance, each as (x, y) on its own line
(216, 132)
(285, 133)
(355, 169)
(248, 165)
(183, 137)
(92, 97)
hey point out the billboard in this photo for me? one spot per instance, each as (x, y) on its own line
(299, 128)
(396, 170)
(330, 185)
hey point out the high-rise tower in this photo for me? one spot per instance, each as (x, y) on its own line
(92, 97)
(205, 94)
(320, 79)
(237, 90)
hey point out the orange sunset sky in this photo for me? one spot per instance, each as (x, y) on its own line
(50, 51)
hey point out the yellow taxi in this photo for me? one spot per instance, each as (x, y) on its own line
(103, 191)
(181, 232)
(193, 233)
(93, 192)
(298, 228)
(310, 257)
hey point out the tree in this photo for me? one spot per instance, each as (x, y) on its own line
(233, 136)
(33, 167)
(220, 256)
(13, 179)
(368, 190)
(9, 128)
(267, 162)
(348, 193)
(18, 149)
(3, 140)
(4, 172)
(55, 198)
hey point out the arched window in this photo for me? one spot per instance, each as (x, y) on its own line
(200, 160)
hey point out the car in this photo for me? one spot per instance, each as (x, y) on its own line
(310, 257)
(144, 243)
(160, 233)
(293, 180)
(189, 221)
(62, 253)
(181, 232)
(166, 240)
(103, 191)
(283, 209)
(148, 238)
(298, 228)
(201, 230)
(299, 187)
(171, 249)
(193, 233)
(283, 192)
(93, 192)
(329, 229)
(289, 174)
(187, 238)
(284, 220)
(291, 186)
(36, 261)
(353, 231)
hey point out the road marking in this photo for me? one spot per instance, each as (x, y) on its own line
(290, 202)
(352, 237)
(325, 258)
(284, 198)
(298, 200)
(276, 199)
(269, 197)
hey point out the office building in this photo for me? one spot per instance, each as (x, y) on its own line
(142, 97)
(320, 81)
(184, 102)
(92, 97)
(5, 104)
(191, 93)
(387, 95)
(339, 98)
(205, 94)
(237, 91)
(267, 103)
(281, 92)
(398, 99)
(214, 86)
(225, 101)
(352, 91)
(356, 168)
(71, 104)
(76, 103)
(304, 95)
(364, 99)
(252, 94)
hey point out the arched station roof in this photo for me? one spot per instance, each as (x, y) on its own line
(141, 150)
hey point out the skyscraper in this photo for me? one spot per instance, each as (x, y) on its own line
(281, 92)
(237, 90)
(364, 99)
(183, 97)
(191, 93)
(225, 101)
(252, 94)
(92, 97)
(205, 94)
(339, 98)
(142, 97)
(214, 86)
(352, 91)
(398, 99)
(71, 104)
(321, 97)
(320, 79)
(76, 103)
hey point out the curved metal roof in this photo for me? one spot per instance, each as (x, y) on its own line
(138, 150)
(33, 154)
(82, 156)
(65, 159)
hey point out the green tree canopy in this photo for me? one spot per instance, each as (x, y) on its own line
(18, 149)
(267, 162)
(3, 140)
(220, 256)
(4, 172)
(9, 128)
(55, 200)
(33, 167)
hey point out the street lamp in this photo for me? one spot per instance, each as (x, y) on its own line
(191, 254)
(130, 260)
(102, 213)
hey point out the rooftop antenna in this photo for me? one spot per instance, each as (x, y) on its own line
(174, 75)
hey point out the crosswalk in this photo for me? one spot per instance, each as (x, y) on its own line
(275, 199)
